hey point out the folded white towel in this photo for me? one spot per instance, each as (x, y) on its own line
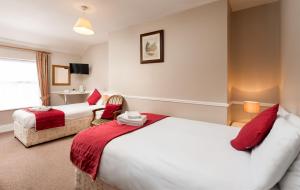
(131, 124)
(141, 122)
(40, 108)
(133, 114)
(123, 119)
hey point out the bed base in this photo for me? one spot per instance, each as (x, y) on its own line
(29, 136)
(85, 182)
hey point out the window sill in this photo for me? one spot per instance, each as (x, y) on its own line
(14, 109)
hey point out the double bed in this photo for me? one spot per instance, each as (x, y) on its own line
(173, 153)
(77, 117)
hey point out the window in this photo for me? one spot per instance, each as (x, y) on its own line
(19, 87)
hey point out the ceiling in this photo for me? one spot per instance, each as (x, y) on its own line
(237, 5)
(47, 24)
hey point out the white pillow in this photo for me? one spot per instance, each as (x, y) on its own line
(271, 159)
(294, 119)
(282, 112)
(291, 180)
(100, 102)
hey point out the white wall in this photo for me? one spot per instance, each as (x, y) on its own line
(290, 55)
(195, 66)
(97, 58)
(57, 58)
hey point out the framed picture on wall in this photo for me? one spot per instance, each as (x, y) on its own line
(152, 47)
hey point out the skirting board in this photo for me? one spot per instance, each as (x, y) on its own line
(6, 127)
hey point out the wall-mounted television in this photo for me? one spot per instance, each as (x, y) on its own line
(79, 68)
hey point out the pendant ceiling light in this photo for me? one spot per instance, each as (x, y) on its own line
(83, 26)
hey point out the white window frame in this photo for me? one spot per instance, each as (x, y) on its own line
(18, 83)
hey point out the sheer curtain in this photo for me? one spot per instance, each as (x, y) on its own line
(43, 75)
(19, 84)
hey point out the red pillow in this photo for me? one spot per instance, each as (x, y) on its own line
(109, 110)
(255, 131)
(94, 97)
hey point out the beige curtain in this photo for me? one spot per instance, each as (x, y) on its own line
(43, 74)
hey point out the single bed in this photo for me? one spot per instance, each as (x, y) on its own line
(174, 153)
(149, 159)
(77, 117)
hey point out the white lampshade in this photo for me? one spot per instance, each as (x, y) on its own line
(83, 26)
(251, 107)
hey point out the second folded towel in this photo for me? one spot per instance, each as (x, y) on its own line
(136, 120)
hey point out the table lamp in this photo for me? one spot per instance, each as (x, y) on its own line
(251, 107)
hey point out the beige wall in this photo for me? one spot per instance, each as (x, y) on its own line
(195, 66)
(229, 66)
(184, 110)
(290, 53)
(237, 113)
(97, 57)
(16, 54)
(255, 56)
(6, 117)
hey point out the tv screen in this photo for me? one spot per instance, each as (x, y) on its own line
(79, 68)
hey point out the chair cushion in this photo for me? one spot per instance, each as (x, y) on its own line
(109, 110)
(94, 97)
(255, 131)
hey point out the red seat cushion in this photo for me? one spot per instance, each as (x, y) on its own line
(255, 131)
(109, 110)
(94, 97)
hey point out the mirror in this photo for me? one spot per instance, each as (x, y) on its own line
(60, 75)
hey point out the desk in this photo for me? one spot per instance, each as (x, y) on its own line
(70, 93)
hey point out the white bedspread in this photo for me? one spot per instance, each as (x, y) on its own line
(173, 154)
(72, 111)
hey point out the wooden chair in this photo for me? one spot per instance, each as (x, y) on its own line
(114, 99)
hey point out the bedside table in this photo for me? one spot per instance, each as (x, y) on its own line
(237, 124)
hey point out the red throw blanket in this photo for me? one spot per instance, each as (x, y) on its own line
(88, 145)
(48, 119)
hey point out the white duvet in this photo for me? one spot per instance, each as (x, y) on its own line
(173, 154)
(72, 111)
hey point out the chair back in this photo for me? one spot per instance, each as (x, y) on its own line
(115, 100)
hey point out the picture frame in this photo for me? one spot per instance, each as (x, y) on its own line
(61, 75)
(152, 47)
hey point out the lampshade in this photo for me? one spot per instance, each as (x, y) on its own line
(83, 26)
(251, 107)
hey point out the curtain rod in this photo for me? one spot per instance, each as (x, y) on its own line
(23, 48)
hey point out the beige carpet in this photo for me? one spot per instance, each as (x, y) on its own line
(41, 167)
